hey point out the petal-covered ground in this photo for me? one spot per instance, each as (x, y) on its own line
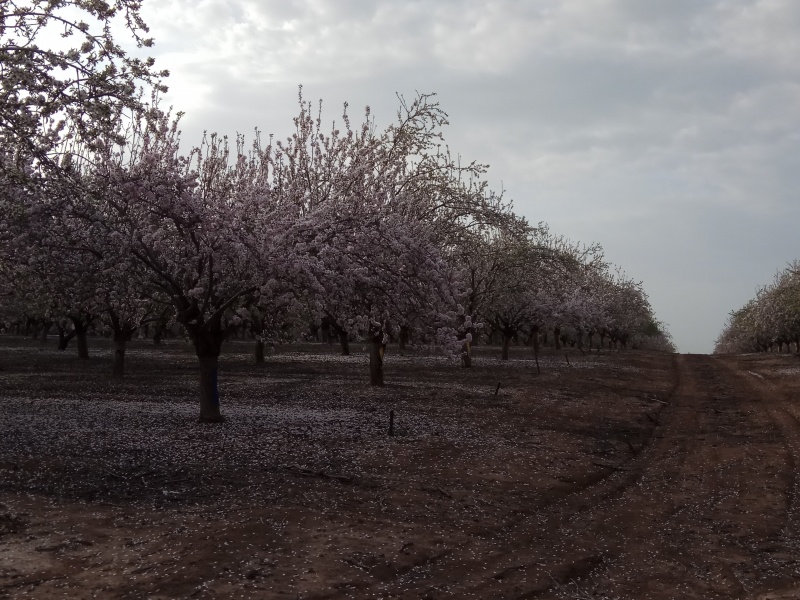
(112, 490)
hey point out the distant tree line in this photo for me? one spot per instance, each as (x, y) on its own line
(769, 321)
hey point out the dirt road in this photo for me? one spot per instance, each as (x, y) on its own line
(612, 476)
(708, 509)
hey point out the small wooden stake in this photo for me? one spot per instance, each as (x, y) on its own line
(497, 389)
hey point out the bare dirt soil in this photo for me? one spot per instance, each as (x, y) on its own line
(618, 475)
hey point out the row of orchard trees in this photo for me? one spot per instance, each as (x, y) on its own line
(770, 320)
(522, 286)
(379, 233)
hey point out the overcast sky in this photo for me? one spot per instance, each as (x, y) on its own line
(666, 131)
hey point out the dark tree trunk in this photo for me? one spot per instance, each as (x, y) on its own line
(209, 391)
(259, 351)
(376, 351)
(466, 355)
(602, 340)
(45, 330)
(122, 333)
(118, 369)
(83, 345)
(81, 329)
(403, 338)
(557, 337)
(158, 332)
(535, 343)
(466, 352)
(325, 332)
(345, 342)
(64, 337)
(506, 342)
(207, 346)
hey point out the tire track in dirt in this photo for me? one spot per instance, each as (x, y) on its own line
(784, 414)
(708, 515)
(477, 574)
(470, 566)
(591, 528)
(678, 520)
(477, 571)
(777, 400)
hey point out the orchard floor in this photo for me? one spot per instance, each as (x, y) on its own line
(619, 475)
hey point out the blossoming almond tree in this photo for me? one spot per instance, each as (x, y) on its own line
(388, 271)
(203, 227)
(378, 210)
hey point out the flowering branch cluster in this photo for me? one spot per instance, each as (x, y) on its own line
(64, 76)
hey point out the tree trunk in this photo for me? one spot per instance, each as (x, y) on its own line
(557, 337)
(118, 369)
(506, 341)
(466, 353)
(590, 339)
(209, 392)
(403, 338)
(80, 335)
(602, 340)
(325, 332)
(345, 342)
(259, 351)
(158, 332)
(376, 351)
(64, 337)
(207, 346)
